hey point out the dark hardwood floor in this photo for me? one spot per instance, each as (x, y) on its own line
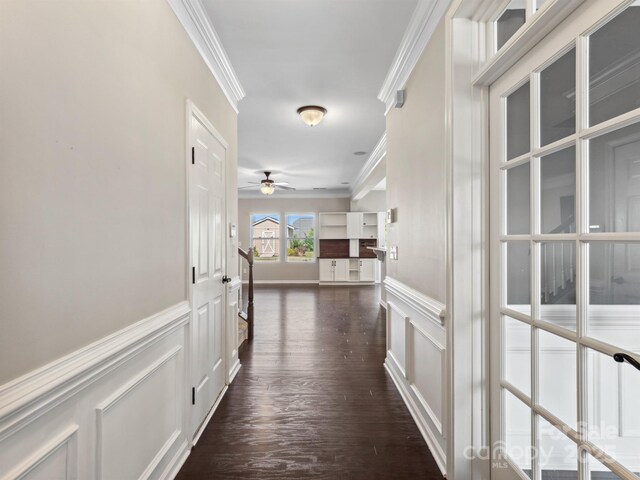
(312, 399)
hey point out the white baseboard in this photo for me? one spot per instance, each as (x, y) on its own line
(282, 282)
(429, 436)
(202, 427)
(234, 370)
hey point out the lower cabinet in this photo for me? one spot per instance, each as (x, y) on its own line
(326, 270)
(368, 269)
(342, 270)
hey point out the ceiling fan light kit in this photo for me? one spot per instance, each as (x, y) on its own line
(268, 186)
(312, 115)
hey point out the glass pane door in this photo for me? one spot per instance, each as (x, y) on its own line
(565, 248)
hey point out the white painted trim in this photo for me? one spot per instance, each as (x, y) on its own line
(30, 396)
(113, 399)
(408, 397)
(413, 326)
(407, 360)
(234, 284)
(423, 23)
(195, 21)
(534, 30)
(377, 155)
(204, 424)
(283, 282)
(103, 407)
(234, 371)
(426, 306)
(176, 463)
(26, 467)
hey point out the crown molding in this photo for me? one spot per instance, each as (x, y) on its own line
(195, 21)
(379, 152)
(423, 23)
(282, 194)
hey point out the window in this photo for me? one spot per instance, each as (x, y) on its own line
(265, 237)
(510, 19)
(301, 237)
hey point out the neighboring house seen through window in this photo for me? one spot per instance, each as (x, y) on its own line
(301, 237)
(265, 237)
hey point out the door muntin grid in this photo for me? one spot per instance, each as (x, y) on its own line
(560, 307)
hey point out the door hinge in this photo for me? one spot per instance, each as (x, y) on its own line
(193, 275)
(193, 155)
(193, 395)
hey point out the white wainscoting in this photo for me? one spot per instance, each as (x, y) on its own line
(116, 409)
(416, 360)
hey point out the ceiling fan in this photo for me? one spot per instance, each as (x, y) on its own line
(268, 186)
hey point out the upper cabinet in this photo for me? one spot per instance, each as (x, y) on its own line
(349, 225)
(362, 225)
(354, 225)
(333, 225)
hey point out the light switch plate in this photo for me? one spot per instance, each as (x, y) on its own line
(233, 230)
(393, 252)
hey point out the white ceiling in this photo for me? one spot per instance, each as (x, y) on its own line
(289, 53)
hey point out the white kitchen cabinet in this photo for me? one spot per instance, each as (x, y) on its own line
(334, 270)
(368, 269)
(341, 270)
(326, 270)
(354, 225)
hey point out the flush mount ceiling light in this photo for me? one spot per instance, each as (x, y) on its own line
(312, 114)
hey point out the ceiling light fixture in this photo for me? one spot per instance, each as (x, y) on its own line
(312, 115)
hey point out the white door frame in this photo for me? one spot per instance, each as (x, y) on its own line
(470, 68)
(192, 110)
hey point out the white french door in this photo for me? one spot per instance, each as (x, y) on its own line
(565, 251)
(207, 207)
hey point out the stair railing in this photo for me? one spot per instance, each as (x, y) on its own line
(557, 271)
(248, 316)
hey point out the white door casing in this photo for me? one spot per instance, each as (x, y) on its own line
(207, 221)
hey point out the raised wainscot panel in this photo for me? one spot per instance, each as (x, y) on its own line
(416, 361)
(55, 460)
(144, 412)
(397, 322)
(427, 374)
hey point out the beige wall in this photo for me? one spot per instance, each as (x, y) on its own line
(282, 270)
(92, 171)
(374, 201)
(416, 180)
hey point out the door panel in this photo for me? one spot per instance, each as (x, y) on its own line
(207, 218)
(367, 270)
(565, 251)
(341, 270)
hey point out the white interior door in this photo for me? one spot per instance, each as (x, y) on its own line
(565, 252)
(207, 224)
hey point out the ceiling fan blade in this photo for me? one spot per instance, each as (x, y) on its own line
(280, 184)
(243, 188)
(255, 183)
(283, 187)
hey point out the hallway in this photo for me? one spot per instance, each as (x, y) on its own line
(312, 399)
